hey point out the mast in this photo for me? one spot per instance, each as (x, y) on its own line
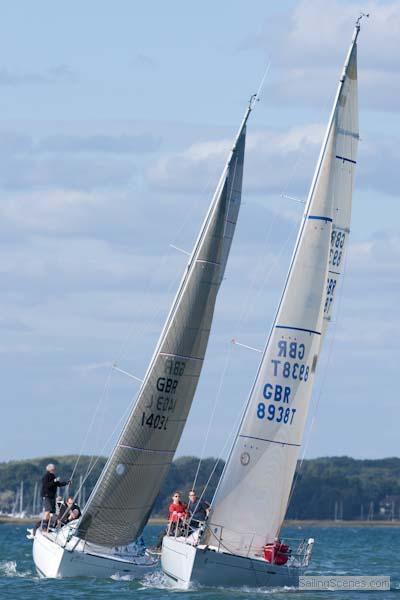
(34, 501)
(122, 499)
(263, 457)
(80, 490)
(21, 498)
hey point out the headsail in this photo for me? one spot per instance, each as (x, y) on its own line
(251, 500)
(121, 502)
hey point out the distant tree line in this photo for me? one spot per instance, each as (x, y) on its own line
(324, 488)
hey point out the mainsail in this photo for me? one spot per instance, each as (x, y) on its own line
(346, 126)
(122, 499)
(251, 500)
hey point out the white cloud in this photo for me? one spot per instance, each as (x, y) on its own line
(99, 144)
(53, 75)
(276, 162)
(317, 31)
(269, 160)
(308, 53)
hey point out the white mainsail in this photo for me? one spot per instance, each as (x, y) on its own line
(346, 123)
(251, 500)
(124, 495)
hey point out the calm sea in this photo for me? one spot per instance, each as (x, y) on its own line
(339, 551)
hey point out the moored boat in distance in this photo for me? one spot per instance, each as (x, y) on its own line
(106, 539)
(239, 544)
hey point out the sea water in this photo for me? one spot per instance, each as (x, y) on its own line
(337, 551)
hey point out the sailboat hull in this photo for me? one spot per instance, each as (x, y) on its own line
(186, 564)
(52, 560)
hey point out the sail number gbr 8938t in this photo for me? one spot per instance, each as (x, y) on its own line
(163, 403)
(288, 364)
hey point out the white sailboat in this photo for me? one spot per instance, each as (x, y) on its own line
(105, 540)
(239, 545)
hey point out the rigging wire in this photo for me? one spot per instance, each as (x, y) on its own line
(215, 404)
(250, 301)
(105, 445)
(262, 82)
(242, 320)
(137, 331)
(123, 347)
(227, 443)
(92, 421)
(134, 330)
(228, 352)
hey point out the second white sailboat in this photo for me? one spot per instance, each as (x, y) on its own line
(238, 545)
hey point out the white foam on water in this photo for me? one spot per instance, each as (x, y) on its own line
(262, 590)
(125, 577)
(159, 580)
(8, 568)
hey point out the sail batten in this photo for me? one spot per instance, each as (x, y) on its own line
(119, 506)
(263, 458)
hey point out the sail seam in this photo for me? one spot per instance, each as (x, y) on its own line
(145, 449)
(297, 329)
(250, 437)
(320, 218)
(349, 133)
(181, 356)
(344, 159)
(209, 262)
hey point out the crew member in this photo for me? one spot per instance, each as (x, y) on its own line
(177, 512)
(69, 511)
(177, 509)
(50, 483)
(197, 509)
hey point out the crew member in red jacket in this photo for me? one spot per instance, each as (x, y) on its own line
(177, 512)
(177, 509)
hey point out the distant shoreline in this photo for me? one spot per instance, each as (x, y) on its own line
(332, 523)
(289, 523)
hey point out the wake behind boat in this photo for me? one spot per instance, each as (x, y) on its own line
(239, 544)
(105, 539)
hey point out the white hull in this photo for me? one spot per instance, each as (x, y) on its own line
(75, 559)
(187, 564)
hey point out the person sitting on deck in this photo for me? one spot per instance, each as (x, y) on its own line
(197, 510)
(69, 511)
(177, 512)
(49, 491)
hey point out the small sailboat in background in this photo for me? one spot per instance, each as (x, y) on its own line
(240, 544)
(104, 541)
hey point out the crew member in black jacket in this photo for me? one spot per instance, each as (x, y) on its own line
(50, 483)
(69, 511)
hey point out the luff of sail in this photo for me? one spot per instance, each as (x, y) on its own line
(121, 502)
(251, 500)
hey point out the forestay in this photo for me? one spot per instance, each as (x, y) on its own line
(251, 499)
(121, 502)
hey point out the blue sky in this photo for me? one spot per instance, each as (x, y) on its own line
(115, 123)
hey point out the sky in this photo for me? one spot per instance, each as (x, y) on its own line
(115, 122)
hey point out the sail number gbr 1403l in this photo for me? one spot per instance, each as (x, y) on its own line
(162, 404)
(288, 364)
